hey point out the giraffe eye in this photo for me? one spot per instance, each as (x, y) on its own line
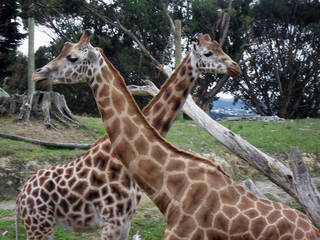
(71, 58)
(208, 54)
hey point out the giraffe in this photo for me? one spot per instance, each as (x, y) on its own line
(122, 193)
(198, 200)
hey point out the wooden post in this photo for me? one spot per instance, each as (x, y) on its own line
(177, 53)
(31, 85)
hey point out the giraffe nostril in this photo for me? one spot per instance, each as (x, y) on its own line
(38, 70)
(234, 64)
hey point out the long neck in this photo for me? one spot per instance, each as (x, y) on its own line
(165, 106)
(139, 146)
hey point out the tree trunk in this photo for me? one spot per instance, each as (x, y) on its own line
(47, 103)
(177, 53)
(31, 86)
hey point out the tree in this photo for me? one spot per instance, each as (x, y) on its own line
(283, 79)
(9, 36)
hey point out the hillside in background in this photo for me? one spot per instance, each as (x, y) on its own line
(225, 107)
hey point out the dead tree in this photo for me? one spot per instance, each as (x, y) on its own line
(39, 102)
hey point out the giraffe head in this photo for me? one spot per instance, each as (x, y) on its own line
(76, 63)
(209, 57)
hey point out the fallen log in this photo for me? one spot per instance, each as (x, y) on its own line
(46, 143)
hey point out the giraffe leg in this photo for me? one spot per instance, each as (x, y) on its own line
(41, 227)
(111, 231)
(125, 230)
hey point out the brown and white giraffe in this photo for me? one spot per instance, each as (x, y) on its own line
(115, 195)
(197, 198)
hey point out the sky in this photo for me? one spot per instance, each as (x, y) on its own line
(42, 37)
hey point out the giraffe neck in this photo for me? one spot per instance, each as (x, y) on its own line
(139, 146)
(163, 108)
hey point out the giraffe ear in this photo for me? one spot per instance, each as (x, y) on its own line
(85, 38)
(205, 37)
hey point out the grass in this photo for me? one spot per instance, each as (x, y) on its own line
(279, 137)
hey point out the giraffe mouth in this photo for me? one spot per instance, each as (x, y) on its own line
(233, 70)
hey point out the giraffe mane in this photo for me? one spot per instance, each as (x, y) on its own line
(168, 82)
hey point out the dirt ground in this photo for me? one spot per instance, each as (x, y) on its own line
(39, 131)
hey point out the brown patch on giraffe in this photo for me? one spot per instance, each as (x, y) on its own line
(114, 171)
(141, 145)
(204, 217)
(62, 191)
(72, 198)
(221, 223)
(114, 130)
(286, 227)
(175, 165)
(274, 216)
(97, 179)
(183, 71)
(151, 172)
(77, 207)
(116, 190)
(35, 192)
(146, 187)
(252, 213)
(290, 215)
(162, 201)
(118, 101)
(125, 152)
(83, 173)
(198, 235)
(106, 113)
(263, 209)
(157, 121)
(157, 107)
(64, 205)
(195, 196)
(100, 161)
(196, 174)
(173, 216)
(49, 186)
(185, 227)
(159, 154)
(182, 85)
(299, 234)
(239, 225)
(229, 195)
(257, 225)
(167, 93)
(177, 184)
(69, 171)
(91, 195)
(245, 203)
(130, 128)
(80, 187)
(271, 233)
(230, 211)
(216, 179)
(302, 223)
(103, 91)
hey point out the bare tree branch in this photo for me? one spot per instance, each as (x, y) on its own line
(118, 24)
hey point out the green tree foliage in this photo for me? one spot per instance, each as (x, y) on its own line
(283, 77)
(9, 36)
